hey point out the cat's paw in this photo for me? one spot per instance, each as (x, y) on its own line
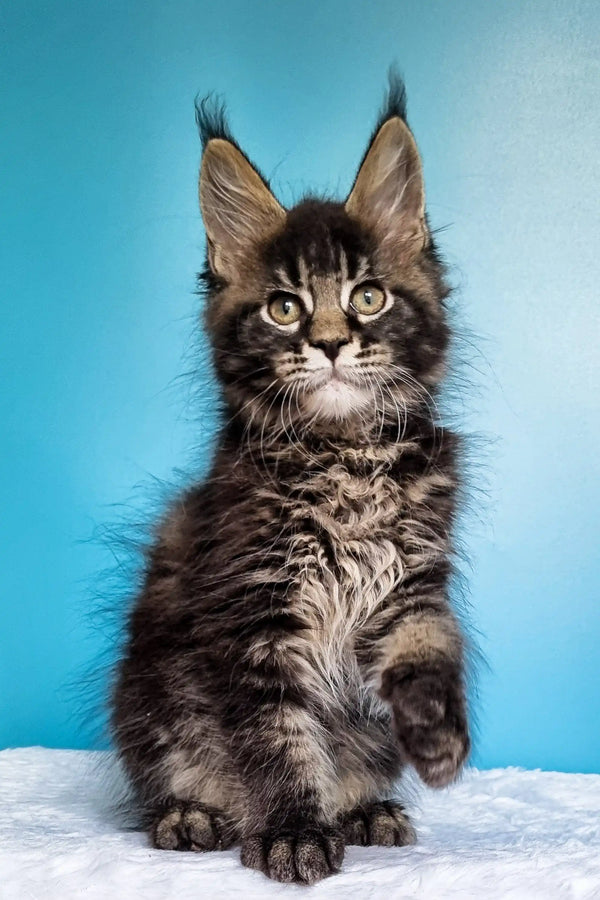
(429, 712)
(192, 826)
(305, 855)
(383, 824)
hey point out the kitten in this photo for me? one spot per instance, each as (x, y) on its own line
(293, 646)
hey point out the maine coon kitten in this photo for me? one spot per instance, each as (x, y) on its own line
(293, 646)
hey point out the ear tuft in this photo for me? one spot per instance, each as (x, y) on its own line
(394, 102)
(211, 119)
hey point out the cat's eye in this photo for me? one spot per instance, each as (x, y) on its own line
(367, 299)
(285, 309)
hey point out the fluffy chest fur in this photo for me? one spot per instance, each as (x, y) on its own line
(344, 555)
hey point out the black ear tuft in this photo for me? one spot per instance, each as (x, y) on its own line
(394, 102)
(394, 105)
(211, 119)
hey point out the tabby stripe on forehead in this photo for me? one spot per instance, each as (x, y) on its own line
(292, 269)
(355, 263)
(342, 264)
(288, 281)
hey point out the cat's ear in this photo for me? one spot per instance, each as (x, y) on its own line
(237, 207)
(388, 194)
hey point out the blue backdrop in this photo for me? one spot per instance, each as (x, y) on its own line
(101, 239)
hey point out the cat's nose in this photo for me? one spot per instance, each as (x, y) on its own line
(331, 348)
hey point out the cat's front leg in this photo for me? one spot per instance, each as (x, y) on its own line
(417, 666)
(284, 760)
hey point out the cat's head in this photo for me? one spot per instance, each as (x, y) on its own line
(326, 315)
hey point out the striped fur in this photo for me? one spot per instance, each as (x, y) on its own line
(293, 646)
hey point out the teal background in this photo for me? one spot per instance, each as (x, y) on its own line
(101, 239)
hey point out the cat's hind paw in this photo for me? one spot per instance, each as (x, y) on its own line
(383, 824)
(192, 826)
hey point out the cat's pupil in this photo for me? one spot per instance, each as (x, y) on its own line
(287, 307)
(368, 297)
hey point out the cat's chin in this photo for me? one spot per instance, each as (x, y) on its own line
(336, 401)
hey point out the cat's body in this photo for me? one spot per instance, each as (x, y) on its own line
(293, 646)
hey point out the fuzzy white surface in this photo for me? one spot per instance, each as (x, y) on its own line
(504, 833)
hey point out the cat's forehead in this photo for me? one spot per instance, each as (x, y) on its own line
(319, 249)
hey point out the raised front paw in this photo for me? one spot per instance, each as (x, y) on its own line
(305, 855)
(429, 712)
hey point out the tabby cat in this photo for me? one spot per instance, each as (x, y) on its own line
(293, 646)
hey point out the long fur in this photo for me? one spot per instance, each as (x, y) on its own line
(293, 646)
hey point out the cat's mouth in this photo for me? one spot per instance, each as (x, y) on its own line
(336, 376)
(332, 393)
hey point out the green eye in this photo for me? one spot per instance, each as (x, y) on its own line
(367, 299)
(285, 309)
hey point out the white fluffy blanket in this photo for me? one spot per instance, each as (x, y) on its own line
(505, 833)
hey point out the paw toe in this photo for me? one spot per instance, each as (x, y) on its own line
(198, 825)
(404, 833)
(382, 830)
(335, 844)
(355, 830)
(167, 833)
(253, 853)
(280, 860)
(311, 861)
